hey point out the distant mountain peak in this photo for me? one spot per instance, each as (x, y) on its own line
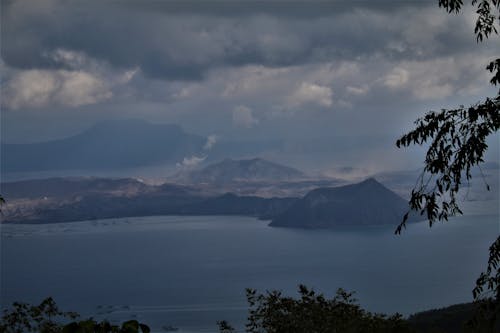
(361, 188)
(370, 180)
(365, 203)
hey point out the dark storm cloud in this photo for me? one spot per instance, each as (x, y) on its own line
(281, 8)
(184, 39)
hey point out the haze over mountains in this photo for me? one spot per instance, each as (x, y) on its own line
(107, 145)
(137, 148)
(252, 177)
(245, 170)
(248, 186)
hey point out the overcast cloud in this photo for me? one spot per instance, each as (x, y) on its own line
(248, 69)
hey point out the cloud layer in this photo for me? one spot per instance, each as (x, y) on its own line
(263, 67)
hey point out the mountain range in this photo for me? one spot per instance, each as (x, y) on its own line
(76, 199)
(86, 198)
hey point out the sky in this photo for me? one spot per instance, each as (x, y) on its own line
(239, 70)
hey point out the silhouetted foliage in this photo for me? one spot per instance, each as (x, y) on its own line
(449, 319)
(92, 326)
(457, 140)
(269, 312)
(43, 318)
(486, 16)
(274, 312)
(487, 293)
(458, 143)
(47, 318)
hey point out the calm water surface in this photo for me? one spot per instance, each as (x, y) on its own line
(189, 272)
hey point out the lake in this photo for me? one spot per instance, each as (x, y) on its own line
(189, 272)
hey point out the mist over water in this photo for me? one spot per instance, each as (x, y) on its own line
(189, 272)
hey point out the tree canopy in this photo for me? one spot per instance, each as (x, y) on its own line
(457, 141)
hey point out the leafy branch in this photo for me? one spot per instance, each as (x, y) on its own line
(457, 144)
